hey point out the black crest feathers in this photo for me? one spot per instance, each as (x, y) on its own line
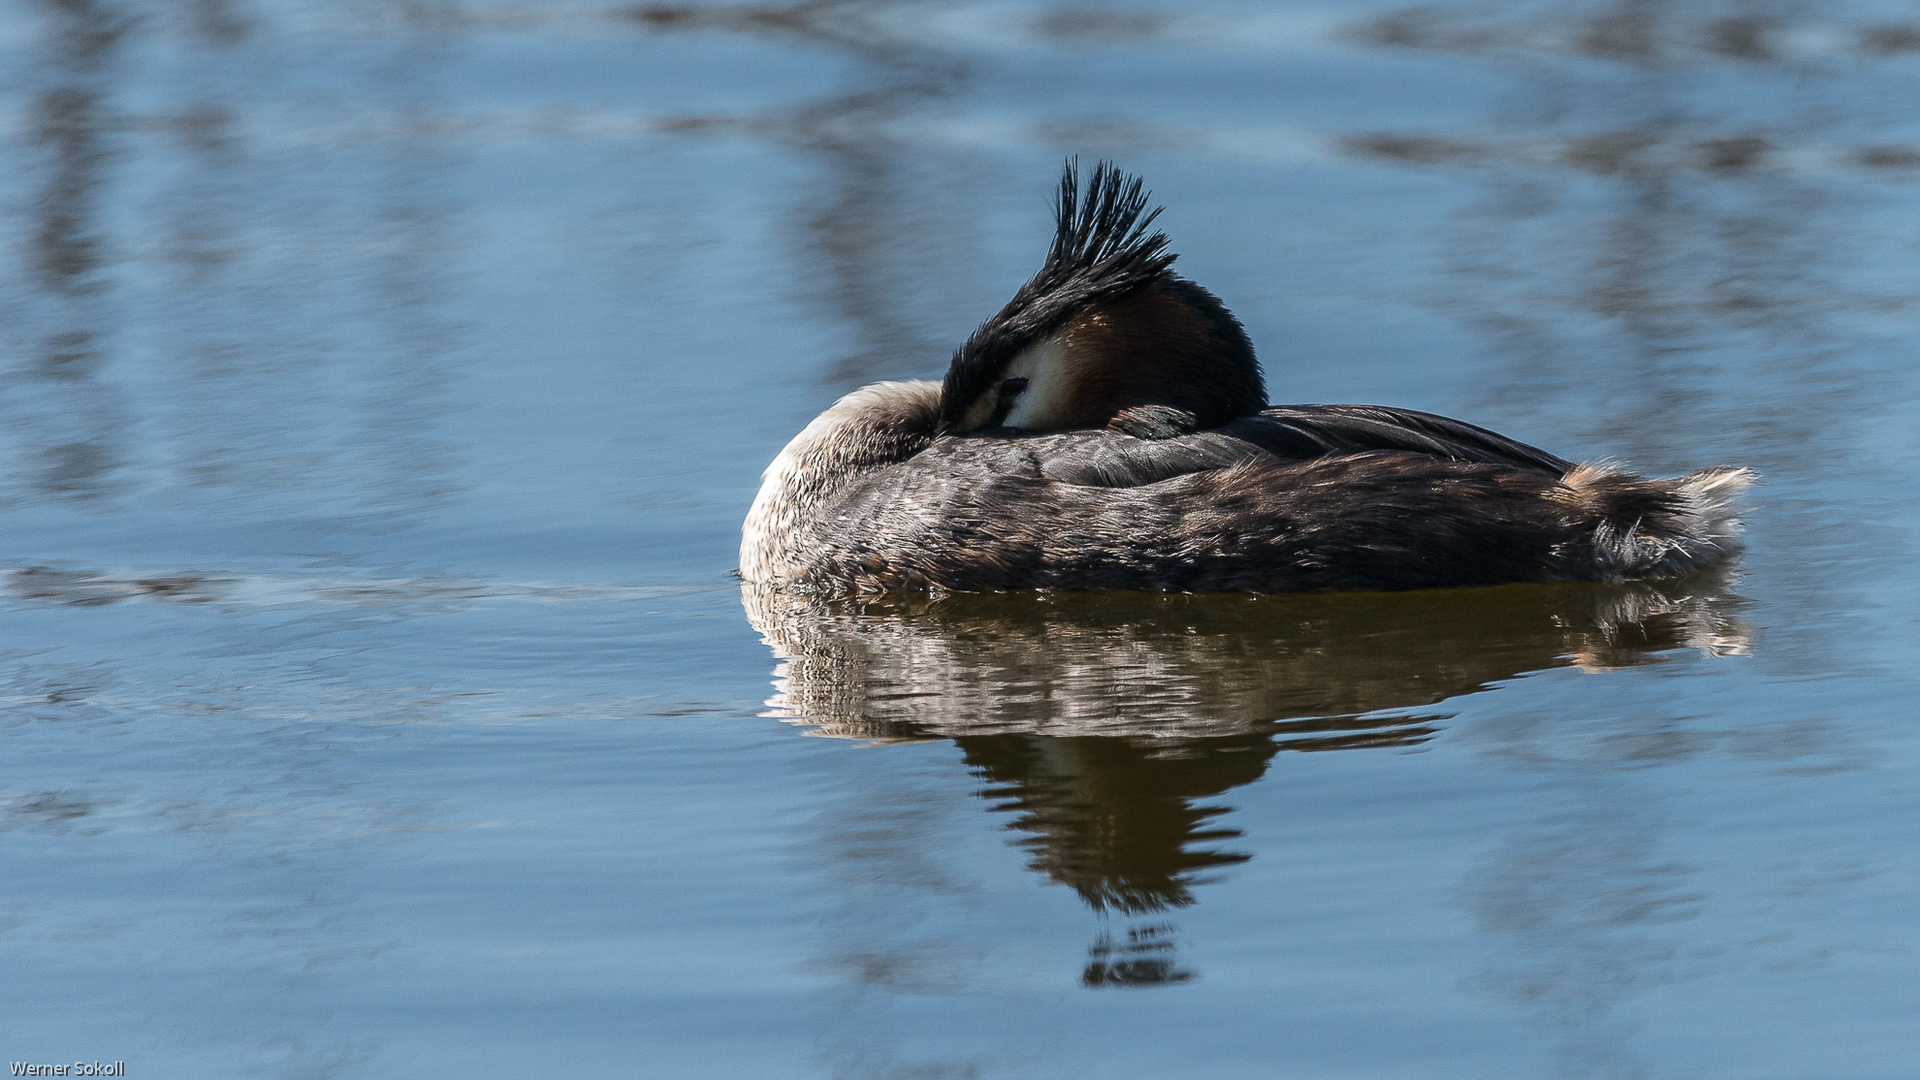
(1102, 243)
(1101, 252)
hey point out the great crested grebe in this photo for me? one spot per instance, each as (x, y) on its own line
(1109, 429)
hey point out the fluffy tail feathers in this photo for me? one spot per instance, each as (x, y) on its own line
(1653, 527)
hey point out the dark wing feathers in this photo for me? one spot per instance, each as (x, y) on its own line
(1300, 432)
(1283, 433)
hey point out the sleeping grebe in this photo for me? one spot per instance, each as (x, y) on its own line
(1109, 429)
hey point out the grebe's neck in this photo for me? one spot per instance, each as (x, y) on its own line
(873, 426)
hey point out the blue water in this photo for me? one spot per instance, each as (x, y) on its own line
(383, 386)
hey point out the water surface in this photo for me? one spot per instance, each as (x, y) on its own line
(383, 386)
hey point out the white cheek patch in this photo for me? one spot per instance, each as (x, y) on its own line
(1043, 405)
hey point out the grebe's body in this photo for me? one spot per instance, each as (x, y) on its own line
(1109, 430)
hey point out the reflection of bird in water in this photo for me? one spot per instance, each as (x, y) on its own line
(1102, 720)
(1118, 820)
(1195, 666)
(1109, 429)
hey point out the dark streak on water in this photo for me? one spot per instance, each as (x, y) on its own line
(383, 385)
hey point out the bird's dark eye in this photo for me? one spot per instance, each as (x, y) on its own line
(1012, 388)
